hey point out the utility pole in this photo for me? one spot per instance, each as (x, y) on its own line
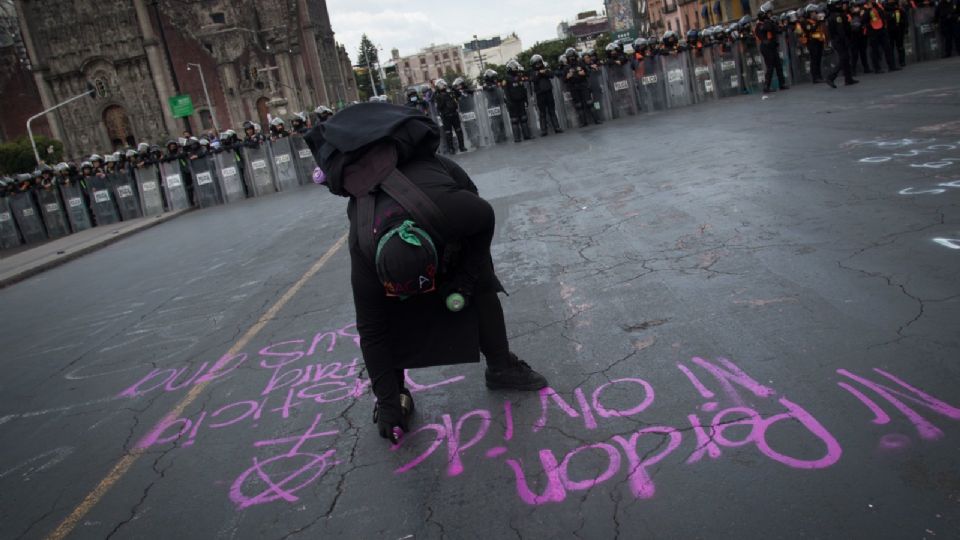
(213, 114)
(369, 71)
(90, 92)
(476, 49)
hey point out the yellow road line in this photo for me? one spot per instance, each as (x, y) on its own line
(122, 466)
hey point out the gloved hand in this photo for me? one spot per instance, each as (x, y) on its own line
(392, 416)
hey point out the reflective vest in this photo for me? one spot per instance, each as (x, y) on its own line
(876, 20)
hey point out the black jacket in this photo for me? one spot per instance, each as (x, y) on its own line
(446, 103)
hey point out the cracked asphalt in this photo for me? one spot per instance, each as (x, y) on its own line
(747, 311)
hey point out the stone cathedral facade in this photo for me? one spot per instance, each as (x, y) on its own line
(258, 57)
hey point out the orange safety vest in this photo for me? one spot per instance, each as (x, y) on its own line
(876, 21)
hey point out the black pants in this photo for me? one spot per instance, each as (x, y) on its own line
(896, 42)
(518, 119)
(548, 112)
(583, 103)
(451, 124)
(951, 38)
(843, 63)
(858, 51)
(771, 59)
(880, 44)
(816, 58)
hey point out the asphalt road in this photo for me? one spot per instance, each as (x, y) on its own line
(747, 311)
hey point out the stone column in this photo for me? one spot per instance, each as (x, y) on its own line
(288, 86)
(158, 65)
(39, 69)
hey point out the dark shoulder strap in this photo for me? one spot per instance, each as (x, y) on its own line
(424, 211)
(366, 236)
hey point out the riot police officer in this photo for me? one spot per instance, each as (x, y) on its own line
(813, 36)
(323, 113)
(767, 32)
(299, 123)
(515, 91)
(577, 81)
(615, 54)
(897, 28)
(448, 108)
(858, 37)
(278, 128)
(416, 101)
(252, 136)
(875, 23)
(948, 15)
(542, 79)
(839, 29)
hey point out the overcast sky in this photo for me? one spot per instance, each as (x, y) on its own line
(411, 25)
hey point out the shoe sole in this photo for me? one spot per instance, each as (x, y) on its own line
(525, 388)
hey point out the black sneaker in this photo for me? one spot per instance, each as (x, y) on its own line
(516, 375)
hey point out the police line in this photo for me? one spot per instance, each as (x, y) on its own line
(67, 204)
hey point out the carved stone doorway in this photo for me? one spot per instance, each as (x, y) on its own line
(263, 110)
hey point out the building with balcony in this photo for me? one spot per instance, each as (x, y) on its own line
(429, 64)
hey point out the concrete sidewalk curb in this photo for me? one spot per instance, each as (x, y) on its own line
(66, 255)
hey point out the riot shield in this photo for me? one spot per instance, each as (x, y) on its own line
(9, 235)
(910, 39)
(284, 165)
(51, 208)
(101, 200)
(28, 219)
(674, 66)
(622, 91)
(651, 84)
(563, 101)
(784, 52)
(597, 79)
(495, 112)
(925, 30)
(257, 171)
(125, 193)
(831, 60)
(799, 59)
(469, 121)
(231, 182)
(725, 69)
(751, 66)
(173, 188)
(533, 115)
(206, 188)
(704, 80)
(148, 189)
(76, 205)
(305, 161)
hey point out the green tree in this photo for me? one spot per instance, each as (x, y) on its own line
(549, 50)
(367, 58)
(17, 157)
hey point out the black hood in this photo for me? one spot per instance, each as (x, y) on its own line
(349, 134)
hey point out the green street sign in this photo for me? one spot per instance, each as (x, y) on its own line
(628, 34)
(181, 106)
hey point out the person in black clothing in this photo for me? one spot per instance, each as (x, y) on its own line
(359, 150)
(858, 37)
(897, 28)
(253, 138)
(838, 27)
(515, 92)
(448, 108)
(577, 80)
(615, 55)
(542, 78)
(875, 23)
(948, 15)
(299, 123)
(813, 35)
(323, 114)
(767, 31)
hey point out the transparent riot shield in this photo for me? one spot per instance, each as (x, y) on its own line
(76, 205)
(9, 235)
(563, 100)
(469, 121)
(284, 164)
(496, 115)
(910, 39)
(705, 87)
(257, 171)
(148, 189)
(751, 66)
(651, 84)
(229, 175)
(925, 30)
(533, 115)
(674, 67)
(597, 79)
(304, 159)
(727, 78)
(206, 188)
(784, 52)
(125, 193)
(799, 59)
(173, 188)
(102, 201)
(831, 60)
(622, 90)
(51, 208)
(27, 216)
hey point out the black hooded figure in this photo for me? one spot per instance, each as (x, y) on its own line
(404, 323)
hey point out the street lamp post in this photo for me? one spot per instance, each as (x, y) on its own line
(373, 85)
(36, 154)
(476, 49)
(213, 115)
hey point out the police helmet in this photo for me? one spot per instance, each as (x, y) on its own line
(131, 153)
(299, 117)
(459, 82)
(562, 60)
(440, 84)
(276, 121)
(693, 35)
(112, 158)
(641, 45)
(86, 165)
(670, 38)
(611, 47)
(570, 53)
(536, 59)
(246, 125)
(766, 8)
(62, 166)
(204, 141)
(489, 74)
(96, 157)
(155, 148)
(513, 66)
(143, 147)
(745, 22)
